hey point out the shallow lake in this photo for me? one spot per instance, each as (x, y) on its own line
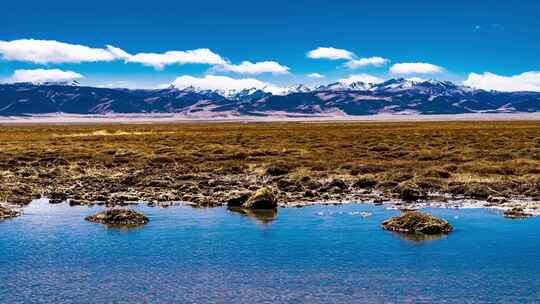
(317, 254)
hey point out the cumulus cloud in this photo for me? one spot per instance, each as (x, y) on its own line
(118, 53)
(528, 81)
(212, 82)
(55, 52)
(366, 78)
(43, 75)
(50, 51)
(364, 62)
(415, 68)
(315, 75)
(330, 53)
(247, 67)
(160, 60)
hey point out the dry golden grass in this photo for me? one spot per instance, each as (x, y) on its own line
(505, 155)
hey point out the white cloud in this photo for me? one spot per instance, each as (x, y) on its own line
(55, 52)
(118, 53)
(247, 67)
(528, 81)
(160, 60)
(212, 82)
(363, 62)
(50, 51)
(365, 78)
(330, 53)
(42, 75)
(315, 75)
(415, 68)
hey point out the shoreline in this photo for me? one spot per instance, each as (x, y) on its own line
(213, 164)
(527, 204)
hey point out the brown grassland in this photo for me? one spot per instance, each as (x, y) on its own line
(211, 163)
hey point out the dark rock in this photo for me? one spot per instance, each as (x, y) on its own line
(496, 200)
(337, 183)
(118, 217)
(129, 180)
(306, 179)
(76, 202)
(309, 194)
(288, 185)
(516, 213)
(238, 199)
(57, 197)
(277, 169)
(263, 198)
(365, 182)
(472, 190)
(312, 185)
(438, 173)
(417, 222)
(430, 184)
(378, 201)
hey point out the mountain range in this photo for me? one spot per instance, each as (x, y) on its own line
(399, 96)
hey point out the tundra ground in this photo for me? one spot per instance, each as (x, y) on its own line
(209, 164)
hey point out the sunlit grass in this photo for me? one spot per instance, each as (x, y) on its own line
(390, 153)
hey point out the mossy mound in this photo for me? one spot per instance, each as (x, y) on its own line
(410, 191)
(365, 182)
(417, 222)
(6, 213)
(263, 198)
(119, 217)
(516, 213)
(277, 169)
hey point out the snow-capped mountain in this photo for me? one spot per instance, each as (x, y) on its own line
(344, 86)
(357, 98)
(297, 88)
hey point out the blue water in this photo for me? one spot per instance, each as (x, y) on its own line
(186, 255)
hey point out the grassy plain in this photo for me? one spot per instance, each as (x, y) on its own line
(208, 163)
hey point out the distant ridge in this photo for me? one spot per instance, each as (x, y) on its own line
(400, 96)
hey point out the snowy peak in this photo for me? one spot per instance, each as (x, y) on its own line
(337, 86)
(226, 93)
(345, 86)
(360, 86)
(396, 84)
(72, 83)
(391, 85)
(297, 88)
(401, 84)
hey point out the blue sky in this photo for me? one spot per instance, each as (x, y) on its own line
(461, 37)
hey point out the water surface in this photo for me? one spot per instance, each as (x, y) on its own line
(318, 254)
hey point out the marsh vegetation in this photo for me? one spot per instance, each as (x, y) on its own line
(209, 164)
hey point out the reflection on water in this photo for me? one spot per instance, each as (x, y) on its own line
(417, 237)
(261, 216)
(124, 228)
(317, 254)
